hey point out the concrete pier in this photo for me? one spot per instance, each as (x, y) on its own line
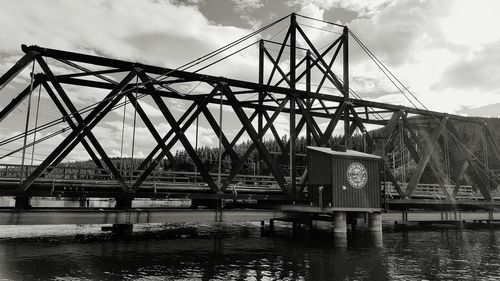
(123, 230)
(375, 222)
(339, 222)
(22, 202)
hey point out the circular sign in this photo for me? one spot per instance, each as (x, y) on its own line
(357, 175)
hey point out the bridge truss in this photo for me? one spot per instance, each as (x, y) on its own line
(284, 88)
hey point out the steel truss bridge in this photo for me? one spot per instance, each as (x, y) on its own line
(284, 88)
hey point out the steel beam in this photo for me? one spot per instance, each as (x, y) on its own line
(240, 133)
(425, 159)
(311, 123)
(332, 124)
(149, 158)
(150, 127)
(190, 76)
(92, 118)
(472, 169)
(293, 134)
(180, 135)
(255, 138)
(435, 170)
(86, 131)
(19, 98)
(253, 106)
(277, 67)
(17, 68)
(72, 124)
(282, 48)
(152, 163)
(216, 128)
(275, 133)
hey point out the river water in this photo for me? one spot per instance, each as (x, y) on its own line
(240, 252)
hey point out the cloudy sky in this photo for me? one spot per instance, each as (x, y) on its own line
(446, 52)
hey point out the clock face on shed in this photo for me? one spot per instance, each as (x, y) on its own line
(357, 175)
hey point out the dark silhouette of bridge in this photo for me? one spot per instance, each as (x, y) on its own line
(297, 82)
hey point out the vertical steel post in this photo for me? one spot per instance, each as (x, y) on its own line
(36, 125)
(27, 122)
(293, 43)
(196, 149)
(345, 47)
(485, 155)
(308, 90)
(133, 131)
(261, 102)
(122, 164)
(219, 176)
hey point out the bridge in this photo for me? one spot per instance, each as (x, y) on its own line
(305, 84)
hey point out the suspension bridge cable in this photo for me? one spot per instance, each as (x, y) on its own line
(204, 58)
(56, 133)
(324, 21)
(312, 84)
(133, 131)
(27, 119)
(237, 51)
(321, 29)
(36, 123)
(411, 93)
(382, 66)
(59, 121)
(123, 134)
(187, 65)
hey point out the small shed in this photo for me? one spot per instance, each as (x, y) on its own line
(346, 180)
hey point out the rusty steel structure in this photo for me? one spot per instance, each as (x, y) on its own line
(277, 93)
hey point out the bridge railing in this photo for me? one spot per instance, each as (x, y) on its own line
(73, 174)
(433, 191)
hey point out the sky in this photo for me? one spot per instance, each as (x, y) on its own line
(445, 52)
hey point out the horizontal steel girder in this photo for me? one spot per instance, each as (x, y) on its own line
(191, 76)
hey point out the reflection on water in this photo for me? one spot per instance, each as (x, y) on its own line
(238, 252)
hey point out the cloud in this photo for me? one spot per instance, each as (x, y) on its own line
(469, 21)
(400, 30)
(359, 6)
(245, 6)
(437, 48)
(156, 31)
(478, 71)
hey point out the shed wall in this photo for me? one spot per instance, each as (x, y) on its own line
(330, 171)
(366, 197)
(319, 168)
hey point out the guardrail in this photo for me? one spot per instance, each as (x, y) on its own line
(434, 191)
(72, 174)
(160, 177)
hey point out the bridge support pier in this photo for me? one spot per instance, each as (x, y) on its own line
(123, 203)
(22, 202)
(339, 222)
(122, 230)
(375, 222)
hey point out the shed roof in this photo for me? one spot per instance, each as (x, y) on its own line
(348, 153)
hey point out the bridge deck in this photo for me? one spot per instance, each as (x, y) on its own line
(39, 216)
(91, 182)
